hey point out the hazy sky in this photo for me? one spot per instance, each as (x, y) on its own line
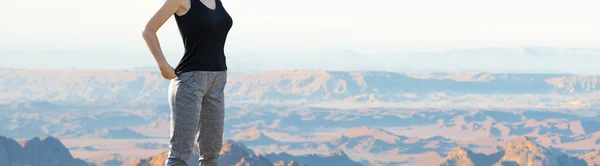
(262, 26)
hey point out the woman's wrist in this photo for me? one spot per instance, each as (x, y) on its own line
(163, 63)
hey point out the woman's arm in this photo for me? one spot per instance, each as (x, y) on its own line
(160, 17)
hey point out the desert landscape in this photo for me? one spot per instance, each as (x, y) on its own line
(309, 83)
(308, 117)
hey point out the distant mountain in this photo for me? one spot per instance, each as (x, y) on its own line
(376, 140)
(522, 151)
(372, 133)
(115, 88)
(45, 151)
(254, 136)
(388, 86)
(82, 87)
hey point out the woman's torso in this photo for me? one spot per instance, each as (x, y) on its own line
(204, 32)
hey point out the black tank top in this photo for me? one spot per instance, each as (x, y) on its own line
(203, 31)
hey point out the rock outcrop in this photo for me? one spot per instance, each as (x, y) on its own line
(520, 152)
(465, 157)
(45, 151)
(237, 154)
(591, 158)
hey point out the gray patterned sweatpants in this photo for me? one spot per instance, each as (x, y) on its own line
(197, 107)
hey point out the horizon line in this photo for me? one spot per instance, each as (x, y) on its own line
(148, 68)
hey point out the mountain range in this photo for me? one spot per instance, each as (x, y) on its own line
(521, 151)
(368, 144)
(30, 90)
(49, 151)
(304, 117)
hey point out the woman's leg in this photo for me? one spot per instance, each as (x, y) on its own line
(210, 139)
(185, 99)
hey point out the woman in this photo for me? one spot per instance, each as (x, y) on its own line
(196, 89)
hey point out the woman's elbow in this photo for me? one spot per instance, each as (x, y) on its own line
(147, 33)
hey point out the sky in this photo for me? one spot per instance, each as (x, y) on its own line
(108, 32)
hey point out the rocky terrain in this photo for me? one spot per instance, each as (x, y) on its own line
(369, 136)
(379, 147)
(45, 151)
(521, 151)
(234, 153)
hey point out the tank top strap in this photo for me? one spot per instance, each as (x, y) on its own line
(218, 4)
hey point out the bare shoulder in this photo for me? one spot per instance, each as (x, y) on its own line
(182, 6)
(163, 14)
(174, 6)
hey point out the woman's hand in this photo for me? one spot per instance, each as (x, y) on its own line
(167, 71)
